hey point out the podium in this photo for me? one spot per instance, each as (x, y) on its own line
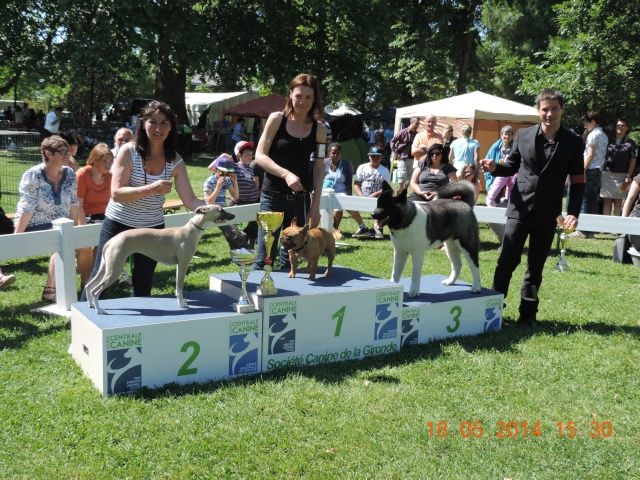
(346, 316)
(151, 341)
(443, 311)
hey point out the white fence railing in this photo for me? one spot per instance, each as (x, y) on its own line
(64, 238)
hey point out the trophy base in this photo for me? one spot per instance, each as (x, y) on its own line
(244, 308)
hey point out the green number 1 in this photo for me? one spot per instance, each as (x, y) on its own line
(184, 369)
(339, 315)
(456, 312)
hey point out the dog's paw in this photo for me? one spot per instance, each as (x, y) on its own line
(292, 274)
(477, 289)
(414, 293)
(448, 281)
(101, 311)
(183, 304)
(312, 277)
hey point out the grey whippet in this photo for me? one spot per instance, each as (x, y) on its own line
(171, 246)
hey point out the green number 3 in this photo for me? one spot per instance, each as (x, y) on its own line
(184, 369)
(456, 312)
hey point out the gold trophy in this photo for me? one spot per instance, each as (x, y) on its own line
(244, 259)
(269, 222)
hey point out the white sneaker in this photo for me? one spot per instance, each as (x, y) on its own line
(6, 280)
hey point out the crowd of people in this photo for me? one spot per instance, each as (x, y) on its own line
(125, 187)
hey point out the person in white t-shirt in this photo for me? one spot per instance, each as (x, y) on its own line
(368, 181)
(52, 122)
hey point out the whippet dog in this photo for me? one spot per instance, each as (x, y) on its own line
(171, 246)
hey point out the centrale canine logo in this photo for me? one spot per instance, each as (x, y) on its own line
(282, 334)
(386, 322)
(124, 370)
(243, 354)
(492, 318)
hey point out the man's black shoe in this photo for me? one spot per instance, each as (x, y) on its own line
(528, 320)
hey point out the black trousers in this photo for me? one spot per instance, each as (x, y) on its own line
(540, 233)
(142, 268)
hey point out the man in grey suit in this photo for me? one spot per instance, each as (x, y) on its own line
(542, 156)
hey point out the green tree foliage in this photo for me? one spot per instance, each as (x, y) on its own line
(368, 53)
(594, 60)
(514, 32)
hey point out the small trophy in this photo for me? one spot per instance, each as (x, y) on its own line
(244, 259)
(561, 242)
(269, 222)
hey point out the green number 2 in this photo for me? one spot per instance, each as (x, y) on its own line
(184, 369)
(456, 312)
(339, 315)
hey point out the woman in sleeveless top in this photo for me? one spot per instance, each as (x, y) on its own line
(287, 153)
(143, 173)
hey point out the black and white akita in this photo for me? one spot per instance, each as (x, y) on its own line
(420, 226)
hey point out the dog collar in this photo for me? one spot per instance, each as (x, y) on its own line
(306, 241)
(197, 226)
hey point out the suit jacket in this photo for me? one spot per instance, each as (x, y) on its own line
(540, 183)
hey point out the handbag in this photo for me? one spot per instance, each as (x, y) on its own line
(329, 183)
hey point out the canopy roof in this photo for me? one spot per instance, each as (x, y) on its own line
(478, 105)
(258, 107)
(198, 102)
(342, 109)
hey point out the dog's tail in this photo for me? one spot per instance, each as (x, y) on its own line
(466, 191)
(337, 234)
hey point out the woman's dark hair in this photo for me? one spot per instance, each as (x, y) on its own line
(334, 145)
(306, 80)
(592, 116)
(436, 147)
(70, 136)
(142, 141)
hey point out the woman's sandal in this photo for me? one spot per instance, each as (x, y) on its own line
(49, 295)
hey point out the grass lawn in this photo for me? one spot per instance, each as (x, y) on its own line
(359, 419)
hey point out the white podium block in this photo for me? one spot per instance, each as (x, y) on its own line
(149, 342)
(448, 311)
(346, 316)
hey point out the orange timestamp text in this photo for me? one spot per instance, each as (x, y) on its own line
(511, 429)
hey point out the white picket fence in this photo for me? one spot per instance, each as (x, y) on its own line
(64, 238)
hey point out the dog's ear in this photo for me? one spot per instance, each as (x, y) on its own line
(201, 209)
(386, 186)
(305, 229)
(402, 195)
(294, 222)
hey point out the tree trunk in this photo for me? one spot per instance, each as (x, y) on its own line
(171, 79)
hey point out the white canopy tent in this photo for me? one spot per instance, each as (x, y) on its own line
(487, 114)
(198, 102)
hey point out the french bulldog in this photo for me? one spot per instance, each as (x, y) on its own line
(309, 243)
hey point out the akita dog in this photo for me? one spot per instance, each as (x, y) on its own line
(420, 226)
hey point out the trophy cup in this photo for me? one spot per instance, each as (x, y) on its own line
(244, 259)
(269, 222)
